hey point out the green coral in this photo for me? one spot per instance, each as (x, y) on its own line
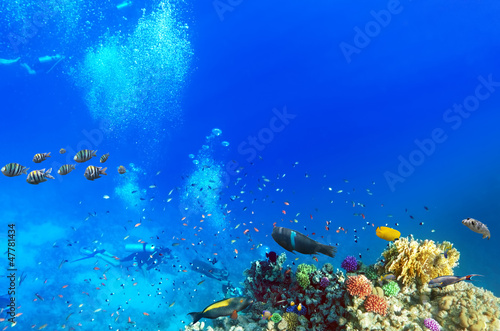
(276, 318)
(303, 272)
(303, 279)
(292, 320)
(371, 273)
(391, 289)
(306, 268)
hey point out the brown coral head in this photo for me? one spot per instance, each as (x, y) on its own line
(359, 286)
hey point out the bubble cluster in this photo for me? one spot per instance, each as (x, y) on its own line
(136, 80)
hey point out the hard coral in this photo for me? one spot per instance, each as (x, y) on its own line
(391, 289)
(409, 259)
(431, 324)
(324, 282)
(350, 264)
(359, 286)
(276, 318)
(292, 320)
(376, 304)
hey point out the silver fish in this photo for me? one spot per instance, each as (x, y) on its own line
(477, 227)
(14, 169)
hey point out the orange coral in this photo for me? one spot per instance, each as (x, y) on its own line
(376, 304)
(359, 285)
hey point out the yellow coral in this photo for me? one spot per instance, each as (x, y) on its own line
(292, 320)
(409, 259)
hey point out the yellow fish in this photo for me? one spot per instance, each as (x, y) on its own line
(387, 233)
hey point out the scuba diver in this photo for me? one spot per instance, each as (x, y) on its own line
(98, 253)
(209, 270)
(146, 256)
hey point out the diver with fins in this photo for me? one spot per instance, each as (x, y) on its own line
(98, 253)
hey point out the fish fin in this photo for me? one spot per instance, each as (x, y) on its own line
(196, 316)
(234, 315)
(102, 171)
(25, 171)
(327, 250)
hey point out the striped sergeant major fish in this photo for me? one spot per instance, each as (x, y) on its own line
(40, 157)
(92, 172)
(84, 155)
(66, 169)
(292, 240)
(14, 169)
(39, 176)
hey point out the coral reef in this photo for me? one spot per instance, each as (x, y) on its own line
(350, 264)
(431, 324)
(336, 303)
(359, 286)
(376, 304)
(391, 289)
(422, 260)
(324, 282)
(276, 318)
(303, 272)
(370, 273)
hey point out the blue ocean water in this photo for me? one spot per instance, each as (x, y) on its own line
(360, 115)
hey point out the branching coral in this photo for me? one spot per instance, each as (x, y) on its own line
(303, 272)
(409, 259)
(359, 286)
(391, 289)
(292, 320)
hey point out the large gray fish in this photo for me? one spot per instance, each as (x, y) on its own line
(292, 240)
(443, 281)
(477, 227)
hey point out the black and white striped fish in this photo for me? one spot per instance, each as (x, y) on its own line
(84, 155)
(14, 169)
(104, 158)
(66, 169)
(39, 176)
(92, 172)
(40, 157)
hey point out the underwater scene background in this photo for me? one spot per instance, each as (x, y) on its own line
(230, 118)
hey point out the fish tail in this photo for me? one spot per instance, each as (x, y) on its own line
(468, 277)
(196, 316)
(103, 171)
(25, 171)
(48, 175)
(327, 250)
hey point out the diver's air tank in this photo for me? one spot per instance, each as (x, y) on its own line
(145, 247)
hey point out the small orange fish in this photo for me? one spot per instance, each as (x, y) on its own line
(274, 224)
(129, 320)
(97, 268)
(184, 270)
(137, 225)
(65, 286)
(246, 231)
(338, 231)
(363, 215)
(134, 284)
(315, 259)
(236, 251)
(182, 219)
(311, 216)
(327, 228)
(18, 314)
(146, 314)
(284, 212)
(286, 203)
(256, 230)
(185, 224)
(42, 327)
(60, 295)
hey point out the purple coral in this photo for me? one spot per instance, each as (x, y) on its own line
(350, 264)
(324, 282)
(431, 324)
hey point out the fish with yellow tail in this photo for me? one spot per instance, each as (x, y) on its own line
(477, 227)
(292, 240)
(39, 176)
(386, 233)
(226, 307)
(444, 281)
(92, 172)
